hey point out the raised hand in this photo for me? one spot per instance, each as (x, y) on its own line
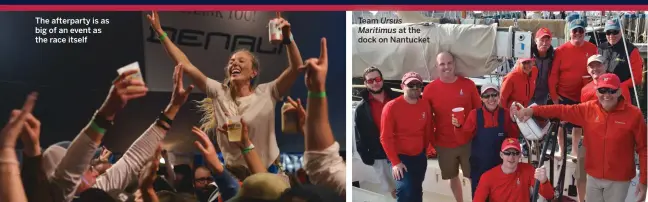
(17, 120)
(122, 91)
(301, 112)
(148, 174)
(154, 19)
(180, 95)
(283, 24)
(105, 154)
(316, 69)
(205, 146)
(30, 135)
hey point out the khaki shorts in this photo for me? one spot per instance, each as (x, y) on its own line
(580, 173)
(451, 158)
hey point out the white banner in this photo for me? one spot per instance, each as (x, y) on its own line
(208, 39)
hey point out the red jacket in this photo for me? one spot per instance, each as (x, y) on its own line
(405, 128)
(496, 186)
(568, 68)
(613, 136)
(518, 87)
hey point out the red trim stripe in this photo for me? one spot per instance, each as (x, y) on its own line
(315, 7)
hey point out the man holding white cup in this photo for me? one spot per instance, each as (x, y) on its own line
(445, 93)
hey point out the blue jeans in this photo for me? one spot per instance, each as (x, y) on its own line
(410, 187)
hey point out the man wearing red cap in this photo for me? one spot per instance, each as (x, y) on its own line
(486, 127)
(566, 78)
(512, 180)
(445, 93)
(406, 129)
(616, 129)
(542, 52)
(519, 84)
(595, 68)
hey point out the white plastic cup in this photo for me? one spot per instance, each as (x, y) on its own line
(132, 66)
(234, 128)
(274, 32)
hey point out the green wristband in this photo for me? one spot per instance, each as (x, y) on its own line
(317, 94)
(163, 36)
(96, 127)
(247, 150)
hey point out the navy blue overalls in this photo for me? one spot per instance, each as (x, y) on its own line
(485, 147)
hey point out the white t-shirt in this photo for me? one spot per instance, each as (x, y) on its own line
(257, 110)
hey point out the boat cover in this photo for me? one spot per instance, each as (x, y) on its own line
(556, 26)
(472, 45)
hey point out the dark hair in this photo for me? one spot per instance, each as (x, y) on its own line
(239, 171)
(369, 70)
(186, 183)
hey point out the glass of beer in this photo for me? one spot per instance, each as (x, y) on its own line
(234, 128)
(289, 118)
(132, 66)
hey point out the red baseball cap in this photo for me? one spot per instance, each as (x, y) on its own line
(608, 80)
(542, 32)
(411, 76)
(522, 60)
(511, 143)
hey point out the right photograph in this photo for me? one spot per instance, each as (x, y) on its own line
(499, 106)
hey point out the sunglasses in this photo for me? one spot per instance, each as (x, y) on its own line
(491, 95)
(377, 79)
(415, 85)
(511, 153)
(612, 32)
(578, 30)
(607, 90)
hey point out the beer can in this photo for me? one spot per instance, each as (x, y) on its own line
(274, 31)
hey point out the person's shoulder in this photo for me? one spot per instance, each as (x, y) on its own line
(492, 172)
(590, 45)
(634, 110)
(465, 81)
(562, 47)
(526, 166)
(393, 102)
(604, 45)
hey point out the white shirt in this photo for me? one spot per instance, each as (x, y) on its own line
(258, 112)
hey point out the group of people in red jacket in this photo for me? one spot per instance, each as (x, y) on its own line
(474, 130)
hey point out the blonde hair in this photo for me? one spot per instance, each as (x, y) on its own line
(206, 106)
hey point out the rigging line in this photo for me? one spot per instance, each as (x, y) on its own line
(634, 85)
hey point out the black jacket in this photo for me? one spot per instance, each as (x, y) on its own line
(541, 92)
(367, 134)
(617, 61)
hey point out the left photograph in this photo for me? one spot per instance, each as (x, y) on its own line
(172, 106)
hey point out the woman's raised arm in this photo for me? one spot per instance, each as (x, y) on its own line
(176, 54)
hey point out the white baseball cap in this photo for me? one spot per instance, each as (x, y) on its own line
(597, 58)
(487, 86)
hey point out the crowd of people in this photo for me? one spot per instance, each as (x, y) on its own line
(81, 170)
(474, 130)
